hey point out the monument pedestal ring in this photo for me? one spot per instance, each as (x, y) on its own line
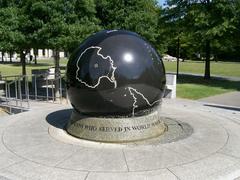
(125, 129)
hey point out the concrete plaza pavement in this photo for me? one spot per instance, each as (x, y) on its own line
(211, 151)
(226, 99)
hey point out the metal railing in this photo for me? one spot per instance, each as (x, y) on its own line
(18, 91)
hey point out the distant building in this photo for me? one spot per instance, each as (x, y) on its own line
(41, 54)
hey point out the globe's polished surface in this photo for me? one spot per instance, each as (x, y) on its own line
(115, 73)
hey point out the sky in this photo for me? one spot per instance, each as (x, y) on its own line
(161, 2)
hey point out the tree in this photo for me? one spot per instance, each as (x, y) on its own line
(11, 32)
(56, 24)
(140, 16)
(174, 29)
(16, 28)
(233, 40)
(7, 37)
(208, 21)
(64, 25)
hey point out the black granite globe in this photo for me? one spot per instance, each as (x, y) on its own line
(115, 73)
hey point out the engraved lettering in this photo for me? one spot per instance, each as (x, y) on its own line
(127, 129)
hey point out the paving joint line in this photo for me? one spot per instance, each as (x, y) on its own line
(226, 154)
(173, 173)
(87, 175)
(13, 164)
(64, 159)
(125, 159)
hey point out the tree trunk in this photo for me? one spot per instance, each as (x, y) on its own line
(2, 56)
(57, 73)
(35, 55)
(23, 62)
(178, 55)
(207, 60)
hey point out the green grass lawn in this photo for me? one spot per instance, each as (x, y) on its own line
(197, 67)
(192, 87)
(8, 69)
(189, 87)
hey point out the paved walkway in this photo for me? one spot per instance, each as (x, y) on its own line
(226, 99)
(210, 151)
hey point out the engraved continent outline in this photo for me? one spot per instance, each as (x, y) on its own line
(111, 79)
(131, 90)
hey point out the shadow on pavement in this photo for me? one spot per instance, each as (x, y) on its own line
(223, 107)
(59, 118)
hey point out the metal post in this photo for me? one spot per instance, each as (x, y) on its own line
(66, 96)
(23, 94)
(6, 91)
(35, 86)
(20, 91)
(61, 91)
(9, 95)
(47, 86)
(16, 92)
(25, 87)
(27, 91)
(53, 98)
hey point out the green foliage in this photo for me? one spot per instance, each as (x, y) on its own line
(56, 24)
(10, 36)
(211, 19)
(208, 22)
(199, 21)
(140, 16)
(62, 25)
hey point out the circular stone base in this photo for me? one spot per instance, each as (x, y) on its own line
(116, 129)
(175, 131)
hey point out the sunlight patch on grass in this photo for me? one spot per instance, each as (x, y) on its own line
(197, 67)
(193, 87)
(196, 91)
(16, 68)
